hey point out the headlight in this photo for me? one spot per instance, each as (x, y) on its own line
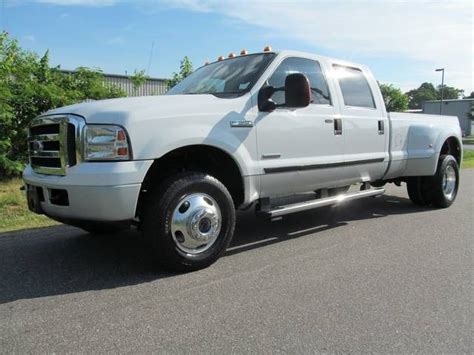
(105, 142)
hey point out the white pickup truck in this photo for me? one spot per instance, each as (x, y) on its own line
(280, 132)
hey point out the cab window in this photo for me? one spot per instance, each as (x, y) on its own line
(354, 87)
(311, 68)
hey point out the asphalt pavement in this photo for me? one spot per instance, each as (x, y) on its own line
(375, 275)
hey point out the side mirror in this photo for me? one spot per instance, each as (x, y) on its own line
(264, 99)
(297, 90)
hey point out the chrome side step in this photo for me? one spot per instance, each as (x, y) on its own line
(327, 201)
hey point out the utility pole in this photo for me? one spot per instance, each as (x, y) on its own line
(442, 89)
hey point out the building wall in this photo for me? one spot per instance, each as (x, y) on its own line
(151, 87)
(459, 108)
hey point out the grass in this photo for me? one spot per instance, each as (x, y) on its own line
(14, 213)
(468, 159)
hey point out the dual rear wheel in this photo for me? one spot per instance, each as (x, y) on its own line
(439, 190)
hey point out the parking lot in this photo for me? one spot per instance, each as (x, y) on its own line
(375, 275)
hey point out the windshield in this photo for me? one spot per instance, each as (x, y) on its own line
(233, 76)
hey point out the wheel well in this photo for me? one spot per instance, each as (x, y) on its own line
(203, 158)
(452, 147)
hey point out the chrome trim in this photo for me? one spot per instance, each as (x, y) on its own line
(196, 223)
(61, 137)
(271, 156)
(308, 205)
(449, 182)
(241, 123)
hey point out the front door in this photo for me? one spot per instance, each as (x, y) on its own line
(299, 149)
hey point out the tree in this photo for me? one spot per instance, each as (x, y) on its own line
(427, 92)
(29, 87)
(138, 79)
(449, 92)
(395, 100)
(185, 68)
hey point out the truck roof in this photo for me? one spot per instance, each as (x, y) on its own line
(303, 55)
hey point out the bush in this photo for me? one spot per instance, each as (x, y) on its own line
(29, 87)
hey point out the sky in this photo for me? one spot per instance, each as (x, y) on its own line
(403, 42)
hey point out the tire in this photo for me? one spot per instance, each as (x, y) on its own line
(416, 188)
(189, 221)
(443, 186)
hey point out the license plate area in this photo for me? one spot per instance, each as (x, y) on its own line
(34, 196)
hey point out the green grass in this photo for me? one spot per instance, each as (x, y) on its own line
(468, 159)
(14, 213)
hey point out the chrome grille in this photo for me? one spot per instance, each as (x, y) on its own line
(52, 144)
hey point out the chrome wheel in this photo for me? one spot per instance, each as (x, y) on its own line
(449, 182)
(196, 223)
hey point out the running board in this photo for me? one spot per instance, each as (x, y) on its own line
(321, 202)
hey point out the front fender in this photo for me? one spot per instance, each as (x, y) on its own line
(239, 143)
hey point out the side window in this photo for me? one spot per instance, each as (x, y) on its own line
(354, 86)
(312, 70)
(277, 80)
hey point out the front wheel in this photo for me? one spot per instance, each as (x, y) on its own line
(189, 221)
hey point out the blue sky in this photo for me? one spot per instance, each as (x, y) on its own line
(402, 41)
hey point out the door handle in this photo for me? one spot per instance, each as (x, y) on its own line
(338, 126)
(381, 127)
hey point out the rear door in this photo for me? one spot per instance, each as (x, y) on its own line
(364, 122)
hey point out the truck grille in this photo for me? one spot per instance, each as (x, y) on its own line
(52, 144)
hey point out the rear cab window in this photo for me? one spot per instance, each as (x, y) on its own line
(355, 88)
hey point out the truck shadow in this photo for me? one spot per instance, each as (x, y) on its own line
(62, 260)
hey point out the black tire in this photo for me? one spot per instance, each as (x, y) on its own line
(438, 190)
(416, 187)
(158, 218)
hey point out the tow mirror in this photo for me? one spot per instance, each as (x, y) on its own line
(297, 93)
(265, 102)
(297, 90)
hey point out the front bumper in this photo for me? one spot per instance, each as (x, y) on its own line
(106, 192)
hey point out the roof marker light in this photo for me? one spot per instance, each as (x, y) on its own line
(231, 55)
(221, 57)
(244, 52)
(207, 62)
(267, 49)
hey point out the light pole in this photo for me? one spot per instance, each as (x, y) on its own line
(442, 89)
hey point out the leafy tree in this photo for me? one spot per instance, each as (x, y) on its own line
(471, 96)
(29, 87)
(138, 79)
(185, 68)
(427, 92)
(449, 92)
(395, 100)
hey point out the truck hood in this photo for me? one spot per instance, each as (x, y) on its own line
(125, 110)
